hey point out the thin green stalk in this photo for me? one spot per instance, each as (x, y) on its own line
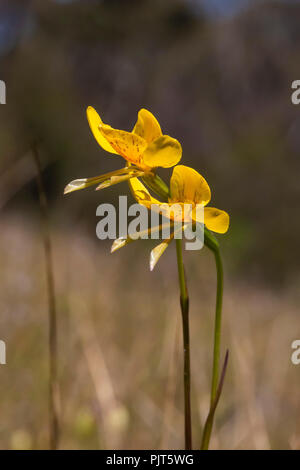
(53, 382)
(216, 385)
(215, 391)
(218, 325)
(184, 303)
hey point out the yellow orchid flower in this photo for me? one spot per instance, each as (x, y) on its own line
(144, 149)
(187, 186)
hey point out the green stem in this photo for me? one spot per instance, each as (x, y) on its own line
(210, 242)
(156, 184)
(216, 354)
(184, 303)
(218, 324)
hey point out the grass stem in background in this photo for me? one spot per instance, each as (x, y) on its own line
(53, 383)
(184, 303)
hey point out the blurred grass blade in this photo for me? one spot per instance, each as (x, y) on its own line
(54, 392)
(210, 418)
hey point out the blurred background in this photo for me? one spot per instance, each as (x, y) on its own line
(217, 75)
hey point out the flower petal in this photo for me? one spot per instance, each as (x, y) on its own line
(115, 179)
(173, 212)
(163, 151)
(82, 183)
(198, 213)
(187, 185)
(141, 193)
(129, 146)
(95, 122)
(119, 243)
(158, 251)
(147, 126)
(216, 220)
(123, 241)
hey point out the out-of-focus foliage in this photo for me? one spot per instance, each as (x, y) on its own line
(120, 349)
(221, 85)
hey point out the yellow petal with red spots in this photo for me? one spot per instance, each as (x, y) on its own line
(187, 185)
(129, 146)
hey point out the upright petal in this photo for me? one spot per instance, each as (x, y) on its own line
(187, 185)
(147, 126)
(163, 151)
(95, 122)
(216, 220)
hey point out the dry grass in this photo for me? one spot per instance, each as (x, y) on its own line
(120, 361)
